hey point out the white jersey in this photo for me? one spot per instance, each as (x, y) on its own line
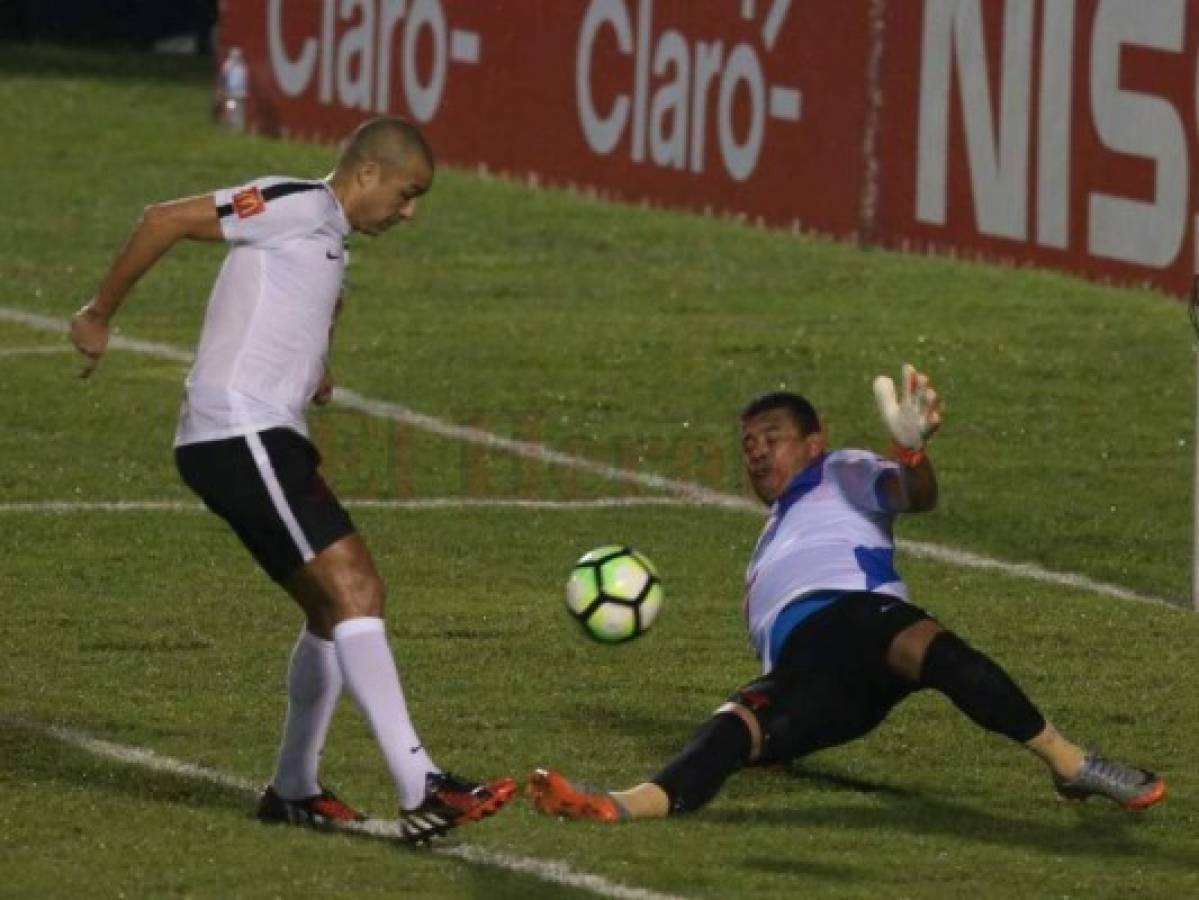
(266, 332)
(830, 530)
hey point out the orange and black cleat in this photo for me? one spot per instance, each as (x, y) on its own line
(451, 802)
(321, 810)
(554, 795)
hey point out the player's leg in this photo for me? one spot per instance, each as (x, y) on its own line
(764, 722)
(926, 654)
(314, 684)
(718, 748)
(303, 537)
(818, 695)
(339, 587)
(930, 656)
(730, 740)
(268, 488)
(247, 481)
(342, 586)
(342, 581)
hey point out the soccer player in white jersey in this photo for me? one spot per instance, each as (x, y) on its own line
(242, 445)
(830, 618)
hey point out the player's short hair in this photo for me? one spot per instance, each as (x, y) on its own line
(389, 141)
(801, 411)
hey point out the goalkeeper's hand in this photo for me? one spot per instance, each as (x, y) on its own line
(913, 416)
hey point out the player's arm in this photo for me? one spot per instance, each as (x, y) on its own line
(914, 488)
(161, 226)
(912, 419)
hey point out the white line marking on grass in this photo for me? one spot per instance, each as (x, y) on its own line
(520, 503)
(117, 341)
(968, 560)
(40, 350)
(383, 409)
(57, 507)
(541, 869)
(78, 506)
(139, 756)
(696, 493)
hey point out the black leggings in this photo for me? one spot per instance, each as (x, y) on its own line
(832, 685)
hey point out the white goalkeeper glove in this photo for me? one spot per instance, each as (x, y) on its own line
(913, 417)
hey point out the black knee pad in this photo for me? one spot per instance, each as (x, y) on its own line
(979, 688)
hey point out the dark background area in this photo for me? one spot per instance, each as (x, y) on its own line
(133, 23)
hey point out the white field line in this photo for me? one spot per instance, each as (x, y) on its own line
(39, 350)
(696, 493)
(541, 869)
(79, 506)
(968, 560)
(520, 503)
(118, 342)
(383, 409)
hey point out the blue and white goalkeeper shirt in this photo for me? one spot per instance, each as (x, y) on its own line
(830, 530)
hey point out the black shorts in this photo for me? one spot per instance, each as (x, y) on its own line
(831, 683)
(267, 487)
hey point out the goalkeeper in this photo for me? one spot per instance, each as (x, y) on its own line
(831, 620)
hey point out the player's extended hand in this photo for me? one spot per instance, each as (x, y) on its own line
(324, 393)
(89, 334)
(913, 416)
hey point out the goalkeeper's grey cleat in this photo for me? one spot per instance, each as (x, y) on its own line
(1132, 788)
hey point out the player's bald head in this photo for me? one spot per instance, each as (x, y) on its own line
(388, 141)
(384, 168)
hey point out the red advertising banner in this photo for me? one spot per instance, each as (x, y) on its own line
(1052, 132)
(1057, 133)
(751, 107)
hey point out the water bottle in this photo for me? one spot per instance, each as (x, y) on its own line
(232, 90)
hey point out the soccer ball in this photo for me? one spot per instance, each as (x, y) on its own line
(614, 593)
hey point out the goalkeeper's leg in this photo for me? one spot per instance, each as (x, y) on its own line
(988, 696)
(720, 747)
(824, 691)
(928, 655)
(781, 716)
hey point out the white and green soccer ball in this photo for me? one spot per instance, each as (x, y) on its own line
(614, 592)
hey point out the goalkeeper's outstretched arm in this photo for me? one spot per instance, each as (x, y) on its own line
(915, 490)
(912, 418)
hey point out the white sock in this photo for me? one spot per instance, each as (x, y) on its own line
(370, 673)
(313, 688)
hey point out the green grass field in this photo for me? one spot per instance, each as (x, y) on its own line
(630, 338)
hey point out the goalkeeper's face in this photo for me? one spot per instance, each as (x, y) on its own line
(775, 450)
